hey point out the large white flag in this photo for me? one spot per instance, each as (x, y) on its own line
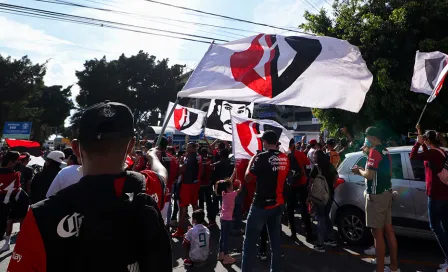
(427, 69)
(430, 71)
(247, 136)
(308, 71)
(219, 122)
(186, 120)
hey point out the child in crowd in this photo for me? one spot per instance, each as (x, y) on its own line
(197, 240)
(225, 189)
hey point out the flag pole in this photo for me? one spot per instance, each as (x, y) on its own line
(167, 119)
(421, 115)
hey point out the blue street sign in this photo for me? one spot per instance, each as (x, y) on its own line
(297, 139)
(17, 130)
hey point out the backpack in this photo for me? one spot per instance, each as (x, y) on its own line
(119, 237)
(443, 175)
(318, 190)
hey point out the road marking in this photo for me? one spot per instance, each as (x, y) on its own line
(304, 247)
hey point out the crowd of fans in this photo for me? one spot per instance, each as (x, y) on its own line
(85, 195)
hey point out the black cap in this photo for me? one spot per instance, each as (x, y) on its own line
(374, 132)
(270, 137)
(331, 142)
(106, 120)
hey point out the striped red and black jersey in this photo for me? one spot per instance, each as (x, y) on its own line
(101, 223)
(9, 185)
(193, 170)
(171, 165)
(271, 169)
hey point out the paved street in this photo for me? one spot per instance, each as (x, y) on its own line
(414, 255)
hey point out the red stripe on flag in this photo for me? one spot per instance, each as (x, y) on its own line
(24, 143)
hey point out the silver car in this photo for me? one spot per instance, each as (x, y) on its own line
(409, 208)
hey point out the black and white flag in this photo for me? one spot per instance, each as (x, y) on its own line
(307, 71)
(219, 121)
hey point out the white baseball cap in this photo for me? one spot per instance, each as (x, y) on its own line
(57, 156)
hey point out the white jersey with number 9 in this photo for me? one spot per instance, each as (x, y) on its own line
(198, 237)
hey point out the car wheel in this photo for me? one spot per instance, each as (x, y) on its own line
(352, 227)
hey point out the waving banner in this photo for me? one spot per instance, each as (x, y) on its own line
(307, 71)
(186, 120)
(429, 73)
(219, 122)
(247, 136)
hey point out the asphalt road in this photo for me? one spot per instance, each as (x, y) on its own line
(414, 255)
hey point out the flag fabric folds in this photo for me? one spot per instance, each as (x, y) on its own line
(219, 122)
(307, 71)
(247, 136)
(429, 72)
(186, 120)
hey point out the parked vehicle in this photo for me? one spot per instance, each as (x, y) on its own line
(409, 208)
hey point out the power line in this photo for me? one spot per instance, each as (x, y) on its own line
(104, 21)
(309, 4)
(50, 17)
(226, 17)
(67, 3)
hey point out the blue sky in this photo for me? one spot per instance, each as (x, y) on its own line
(67, 46)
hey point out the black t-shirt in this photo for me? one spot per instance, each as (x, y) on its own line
(26, 175)
(222, 170)
(271, 169)
(329, 172)
(191, 174)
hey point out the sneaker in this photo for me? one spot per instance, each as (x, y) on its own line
(178, 234)
(221, 256)
(262, 256)
(331, 243)
(443, 269)
(188, 262)
(370, 251)
(5, 247)
(445, 264)
(386, 260)
(319, 248)
(228, 260)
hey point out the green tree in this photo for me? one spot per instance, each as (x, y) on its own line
(140, 81)
(24, 97)
(388, 34)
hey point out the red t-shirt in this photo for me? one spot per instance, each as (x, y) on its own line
(434, 161)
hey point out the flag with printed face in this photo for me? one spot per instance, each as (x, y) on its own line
(219, 122)
(186, 120)
(430, 70)
(247, 135)
(307, 71)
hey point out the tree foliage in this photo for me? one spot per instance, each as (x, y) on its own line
(24, 97)
(143, 83)
(388, 34)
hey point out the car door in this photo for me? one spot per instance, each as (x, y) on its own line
(402, 205)
(418, 191)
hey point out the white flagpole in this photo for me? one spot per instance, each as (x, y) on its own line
(167, 119)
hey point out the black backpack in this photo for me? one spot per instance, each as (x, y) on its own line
(124, 234)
